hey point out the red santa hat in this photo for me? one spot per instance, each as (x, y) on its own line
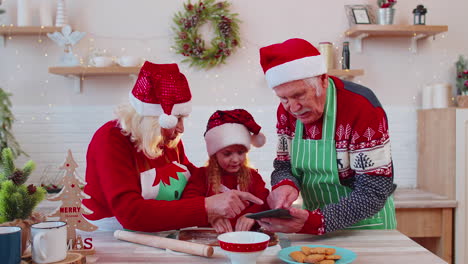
(161, 90)
(294, 59)
(232, 127)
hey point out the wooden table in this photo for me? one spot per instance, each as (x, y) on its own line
(371, 247)
(426, 218)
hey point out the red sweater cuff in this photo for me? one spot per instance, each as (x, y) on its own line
(315, 224)
(285, 182)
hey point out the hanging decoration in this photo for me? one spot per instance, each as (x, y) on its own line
(189, 42)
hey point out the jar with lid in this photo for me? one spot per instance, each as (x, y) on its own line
(326, 49)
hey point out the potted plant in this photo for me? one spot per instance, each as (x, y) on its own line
(386, 11)
(462, 81)
(18, 200)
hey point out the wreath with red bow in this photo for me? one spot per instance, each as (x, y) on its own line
(189, 42)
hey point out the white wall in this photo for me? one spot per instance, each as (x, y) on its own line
(52, 118)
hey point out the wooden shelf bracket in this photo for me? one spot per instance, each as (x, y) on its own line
(414, 42)
(77, 82)
(358, 41)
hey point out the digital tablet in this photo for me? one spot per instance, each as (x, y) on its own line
(277, 213)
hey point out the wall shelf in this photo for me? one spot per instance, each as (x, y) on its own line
(77, 73)
(345, 73)
(6, 31)
(415, 32)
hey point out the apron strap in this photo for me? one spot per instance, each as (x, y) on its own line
(329, 112)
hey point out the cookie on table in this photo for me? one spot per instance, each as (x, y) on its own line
(298, 256)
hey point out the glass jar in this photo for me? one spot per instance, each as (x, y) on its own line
(326, 49)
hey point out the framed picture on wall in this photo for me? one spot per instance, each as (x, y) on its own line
(360, 14)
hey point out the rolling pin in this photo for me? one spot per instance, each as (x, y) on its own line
(162, 242)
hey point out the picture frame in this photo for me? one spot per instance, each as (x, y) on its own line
(360, 14)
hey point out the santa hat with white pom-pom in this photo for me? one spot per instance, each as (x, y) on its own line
(161, 90)
(232, 127)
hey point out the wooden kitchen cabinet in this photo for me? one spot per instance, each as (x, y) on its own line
(442, 165)
(427, 218)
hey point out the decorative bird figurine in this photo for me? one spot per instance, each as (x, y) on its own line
(67, 39)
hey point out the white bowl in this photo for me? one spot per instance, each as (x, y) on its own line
(102, 61)
(129, 61)
(243, 247)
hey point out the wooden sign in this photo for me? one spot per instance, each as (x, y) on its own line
(71, 209)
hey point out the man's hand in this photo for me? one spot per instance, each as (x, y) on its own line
(229, 204)
(221, 225)
(282, 197)
(244, 224)
(292, 225)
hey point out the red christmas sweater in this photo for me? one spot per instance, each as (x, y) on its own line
(362, 147)
(113, 182)
(198, 186)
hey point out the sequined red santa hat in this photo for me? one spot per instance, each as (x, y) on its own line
(294, 59)
(232, 127)
(161, 90)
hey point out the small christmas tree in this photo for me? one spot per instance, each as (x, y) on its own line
(7, 140)
(71, 210)
(17, 201)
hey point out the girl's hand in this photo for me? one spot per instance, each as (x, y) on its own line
(221, 225)
(244, 224)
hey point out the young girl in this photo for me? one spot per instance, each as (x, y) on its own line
(228, 137)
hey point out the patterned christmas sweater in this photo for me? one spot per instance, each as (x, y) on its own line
(113, 175)
(363, 157)
(198, 186)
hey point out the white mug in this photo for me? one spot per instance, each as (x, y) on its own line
(129, 61)
(102, 61)
(49, 241)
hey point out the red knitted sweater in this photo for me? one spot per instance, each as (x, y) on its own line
(198, 186)
(113, 182)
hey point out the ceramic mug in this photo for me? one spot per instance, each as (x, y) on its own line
(49, 241)
(129, 61)
(102, 61)
(10, 244)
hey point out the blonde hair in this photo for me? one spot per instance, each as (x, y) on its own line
(214, 175)
(144, 131)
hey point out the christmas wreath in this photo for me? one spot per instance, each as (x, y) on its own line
(188, 41)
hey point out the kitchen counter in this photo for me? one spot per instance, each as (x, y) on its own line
(371, 247)
(426, 218)
(416, 198)
(420, 214)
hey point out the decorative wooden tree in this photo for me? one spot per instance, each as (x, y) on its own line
(71, 210)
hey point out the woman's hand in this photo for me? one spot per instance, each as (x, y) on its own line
(244, 224)
(229, 204)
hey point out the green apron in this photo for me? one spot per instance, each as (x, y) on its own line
(314, 164)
